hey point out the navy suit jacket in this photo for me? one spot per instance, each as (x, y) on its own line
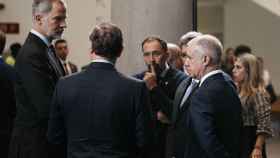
(8, 102)
(213, 120)
(101, 113)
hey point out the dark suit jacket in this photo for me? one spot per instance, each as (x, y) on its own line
(34, 87)
(8, 102)
(101, 113)
(162, 100)
(162, 96)
(8, 106)
(179, 130)
(213, 120)
(35, 83)
(178, 121)
(73, 67)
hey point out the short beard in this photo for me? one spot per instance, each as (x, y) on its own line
(157, 67)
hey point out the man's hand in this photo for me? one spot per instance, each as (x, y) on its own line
(162, 118)
(150, 78)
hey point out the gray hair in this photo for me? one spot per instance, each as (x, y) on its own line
(187, 37)
(41, 6)
(208, 45)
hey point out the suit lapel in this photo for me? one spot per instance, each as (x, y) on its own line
(186, 104)
(178, 97)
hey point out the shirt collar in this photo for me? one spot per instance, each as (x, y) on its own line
(63, 61)
(42, 37)
(208, 75)
(101, 61)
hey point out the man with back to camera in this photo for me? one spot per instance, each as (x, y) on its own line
(213, 116)
(37, 71)
(99, 112)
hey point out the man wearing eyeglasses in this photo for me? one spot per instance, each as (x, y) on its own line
(162, 81)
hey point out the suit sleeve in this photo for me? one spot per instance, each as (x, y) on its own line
(202, 119)
(163, 101)
(143, 122)
(56, 128)
(38, 84)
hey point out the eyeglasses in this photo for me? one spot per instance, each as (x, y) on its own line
(153, 53)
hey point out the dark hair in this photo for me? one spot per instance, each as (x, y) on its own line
(2, 41)
(242, 49)
(59, 41)
(162, 43)
(15, 47)
(106, 40)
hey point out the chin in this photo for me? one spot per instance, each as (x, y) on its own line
(57, 36)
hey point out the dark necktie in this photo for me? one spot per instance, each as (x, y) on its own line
(66, 68)
(194, 84)
(55, 62)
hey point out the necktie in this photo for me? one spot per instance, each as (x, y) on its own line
(55, 62)
(189, 90)
(65, 68)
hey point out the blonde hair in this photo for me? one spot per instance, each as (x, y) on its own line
(253, 82)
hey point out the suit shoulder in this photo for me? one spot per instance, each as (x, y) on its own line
(72, 77)
(131, 79)
(32, 49)
(140, 75)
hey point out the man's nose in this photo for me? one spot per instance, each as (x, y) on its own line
(63, 24)
(151, 57)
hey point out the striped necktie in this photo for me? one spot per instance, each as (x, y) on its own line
(188, 92)
(55, 62)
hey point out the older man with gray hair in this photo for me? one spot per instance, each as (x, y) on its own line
(213, 116)
(38, 69)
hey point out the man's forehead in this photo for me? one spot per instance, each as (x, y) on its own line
(155, 45)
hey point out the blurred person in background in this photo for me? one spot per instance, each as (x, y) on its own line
(228, 62)
(256, 109)
(174, 59)
(62, 51)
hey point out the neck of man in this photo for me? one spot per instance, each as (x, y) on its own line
(94, 56)
(38, 29)
(207, 70)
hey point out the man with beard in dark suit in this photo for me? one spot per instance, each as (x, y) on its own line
(101, 112)
(162, 82)
(213, 114)
(37, 71)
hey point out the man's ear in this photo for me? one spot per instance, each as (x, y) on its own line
(38, 18)
(206, 60)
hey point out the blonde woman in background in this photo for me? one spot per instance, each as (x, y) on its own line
(256, 109)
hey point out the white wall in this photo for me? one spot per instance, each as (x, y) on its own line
(210, 19)
(140, 18)
(248, 23)
(17, 11)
